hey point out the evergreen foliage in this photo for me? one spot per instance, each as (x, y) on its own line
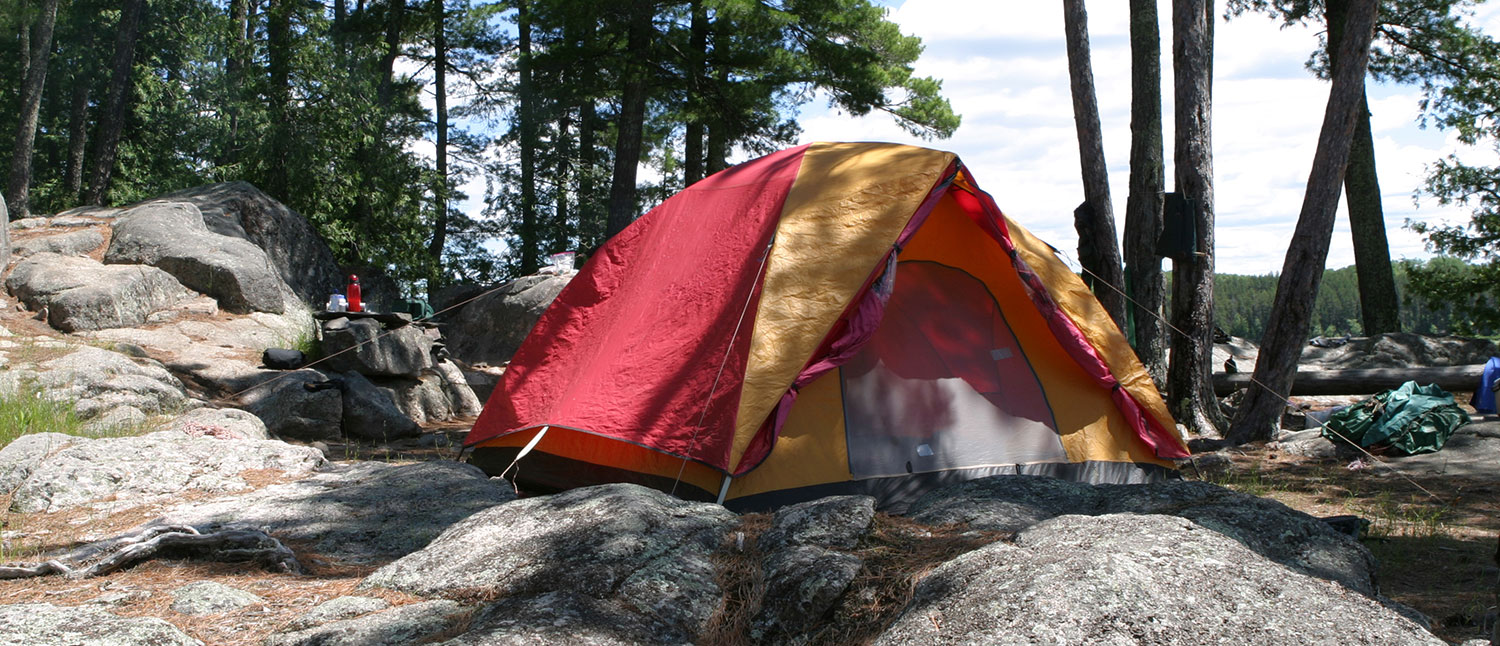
(1442, 295)
(328, 107)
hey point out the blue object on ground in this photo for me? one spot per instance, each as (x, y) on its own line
(1484, 398)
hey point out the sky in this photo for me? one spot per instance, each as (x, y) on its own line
(1004, 67)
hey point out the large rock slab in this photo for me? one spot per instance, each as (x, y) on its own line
(1271, 529)
(491, 328)
(409, 624)
(807, 564)
(291, 243)
(172, 237)
(368, 347)
(1005, 503)
(1132, 579)
(98, 381)
(336, 609)
(211, 598)
(300, 404)
(620, 545)
(129, 471)
(563, 618)
(43, 624)
(357, 512)
(1277, 532)
(19, 458)
(369, 413)
(82, 294)
(75, 243)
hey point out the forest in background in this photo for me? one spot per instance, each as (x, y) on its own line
(1437, 296)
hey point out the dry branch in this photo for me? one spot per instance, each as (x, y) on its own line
(235, 544)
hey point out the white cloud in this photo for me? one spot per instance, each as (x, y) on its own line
(1004, 68)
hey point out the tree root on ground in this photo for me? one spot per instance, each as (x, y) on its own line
(235, 544)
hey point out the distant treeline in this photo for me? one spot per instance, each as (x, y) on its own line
(1242, 303)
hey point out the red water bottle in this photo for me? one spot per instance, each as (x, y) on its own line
(353, 295)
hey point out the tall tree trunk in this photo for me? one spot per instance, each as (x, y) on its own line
(530, 240)
(716, 153)
(562, 237)
(78, 136)
(1286, 330)
(440, 187)
(1379, 306)
(394, 23)
(1190, 390)
(234, 70)
(1098, 251)
(1143, 209)
(112, 118)
(591, 209)
(23, 37)
(279, 71)
(692, 149)
(628, 142)
(18, 190)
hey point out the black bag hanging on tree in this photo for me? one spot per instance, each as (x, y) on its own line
(1179, 229)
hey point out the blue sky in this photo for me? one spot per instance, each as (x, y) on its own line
(1004, 67)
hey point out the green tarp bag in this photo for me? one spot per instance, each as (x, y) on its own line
(1409, 420)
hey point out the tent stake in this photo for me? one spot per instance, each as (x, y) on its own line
(724, 490)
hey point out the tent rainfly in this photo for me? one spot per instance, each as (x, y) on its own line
(832, 318)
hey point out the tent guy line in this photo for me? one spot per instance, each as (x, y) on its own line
(728, 348)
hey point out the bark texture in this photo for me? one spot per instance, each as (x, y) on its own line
(1143, 208)
(18, 189)
(1098, 251)
(632, 119)
(1302, 271)
(112, 119)
(1378, 302)
(1190, 389)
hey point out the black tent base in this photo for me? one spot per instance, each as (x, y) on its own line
(544, 473)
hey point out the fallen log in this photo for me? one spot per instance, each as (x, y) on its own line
(1363, 381)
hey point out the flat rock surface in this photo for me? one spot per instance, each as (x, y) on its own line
(1133, 579)
(134, 470)
(562, 619)
(1472, 452)
(617, 544)
(210, 597)
(75, 243)
(43, 624)
(1278, 532)
(399, 626)
(336, 609)
(357, 512)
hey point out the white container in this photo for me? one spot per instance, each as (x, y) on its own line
(563, 262)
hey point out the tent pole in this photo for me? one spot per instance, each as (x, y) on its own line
(724, 490)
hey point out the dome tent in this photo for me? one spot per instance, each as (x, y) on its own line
(832, 318)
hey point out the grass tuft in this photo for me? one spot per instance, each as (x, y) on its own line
(25, 411)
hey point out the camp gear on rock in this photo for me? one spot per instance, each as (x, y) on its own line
(1409, 420)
